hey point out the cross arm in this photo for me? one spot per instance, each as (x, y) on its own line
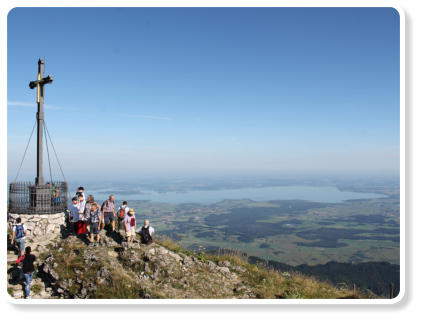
(34, 84)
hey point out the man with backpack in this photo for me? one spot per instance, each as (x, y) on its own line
(122, 212)
(146, 233)
(18, 235)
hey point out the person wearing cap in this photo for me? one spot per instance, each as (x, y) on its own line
(130, 225)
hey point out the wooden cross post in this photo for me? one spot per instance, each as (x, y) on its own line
(39, 84)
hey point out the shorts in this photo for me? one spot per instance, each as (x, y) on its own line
(21, 243)
(93, 228)
(131, 232)
(108, 217)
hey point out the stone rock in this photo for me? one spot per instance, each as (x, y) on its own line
(223, 269)
(224, 263)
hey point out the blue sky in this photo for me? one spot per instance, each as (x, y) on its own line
(157, 91)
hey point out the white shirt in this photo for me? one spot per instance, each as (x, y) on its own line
(151, 230)
(24, 229)
(82, 206)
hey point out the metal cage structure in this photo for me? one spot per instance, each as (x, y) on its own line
(29, 198)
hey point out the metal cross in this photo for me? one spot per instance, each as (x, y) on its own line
(39, 84)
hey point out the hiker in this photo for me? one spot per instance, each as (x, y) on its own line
(28, 270)
(108, 213)
(122, 212)
(80, 191)
(88, 207)
(18, 235)
(94, 223)
(81, 224)
(146, 233)
(57, 197)
(130, 225)
(74, 213)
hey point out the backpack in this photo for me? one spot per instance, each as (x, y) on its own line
(133, 222)
(20, 233)
(121, 213)
(145, 236)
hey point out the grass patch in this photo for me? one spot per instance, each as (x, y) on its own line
(168, 243)
(36, 288)
(121, 287)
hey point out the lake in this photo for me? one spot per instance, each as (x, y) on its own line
(310, 193)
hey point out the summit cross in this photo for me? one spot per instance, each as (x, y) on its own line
(39, 84)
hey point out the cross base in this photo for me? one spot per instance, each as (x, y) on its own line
(40, 198)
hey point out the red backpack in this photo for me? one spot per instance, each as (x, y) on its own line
(121, 213)
(133, 222)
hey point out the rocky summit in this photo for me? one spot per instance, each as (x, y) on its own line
(70, 268)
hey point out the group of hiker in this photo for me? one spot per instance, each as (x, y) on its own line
(87, 218)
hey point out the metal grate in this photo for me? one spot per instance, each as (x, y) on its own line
(25, 197)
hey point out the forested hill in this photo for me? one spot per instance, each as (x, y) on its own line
(374, 276)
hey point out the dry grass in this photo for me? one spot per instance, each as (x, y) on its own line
(122, 286)
(168, 243)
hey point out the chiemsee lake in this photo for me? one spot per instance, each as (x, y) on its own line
(310, 193)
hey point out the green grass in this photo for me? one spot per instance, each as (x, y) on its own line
(36, 288)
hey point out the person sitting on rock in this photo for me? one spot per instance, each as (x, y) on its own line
(146, 233)
(18, 235)
(130, 225)
(94, 223)
(28, 270)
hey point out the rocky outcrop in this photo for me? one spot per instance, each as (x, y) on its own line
(143, 271)
(69, 268)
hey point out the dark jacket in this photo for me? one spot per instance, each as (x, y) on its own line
(28, 263)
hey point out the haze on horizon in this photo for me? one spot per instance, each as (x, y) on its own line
(208, 91)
